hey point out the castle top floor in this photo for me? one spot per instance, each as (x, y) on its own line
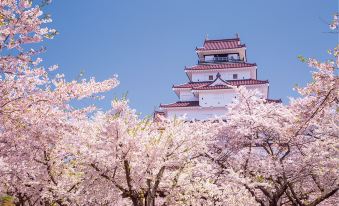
(222, 50)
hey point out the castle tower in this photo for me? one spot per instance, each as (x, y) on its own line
(221, 64)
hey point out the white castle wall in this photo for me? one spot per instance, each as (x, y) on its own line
(187, 96)
(216, 98)
(198, 113)
(225, 75)
(220, 98)
(263, 89)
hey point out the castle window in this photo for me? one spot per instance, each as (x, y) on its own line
(209, 58)
(235, 76)
(233, 57)
(210, 77)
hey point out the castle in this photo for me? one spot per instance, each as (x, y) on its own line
(222, 65)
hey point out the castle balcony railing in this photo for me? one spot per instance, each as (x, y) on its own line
(220, 59)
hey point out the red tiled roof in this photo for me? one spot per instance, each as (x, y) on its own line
(221, 44)
(181, 104)
(196, 103)
(227, 65)
(212, 87)
(246, 82)
(231, 82)
(191, 84)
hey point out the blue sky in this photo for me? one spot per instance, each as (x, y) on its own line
(148, 43)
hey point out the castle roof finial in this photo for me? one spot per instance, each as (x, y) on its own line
(206, 37)
(237, 35)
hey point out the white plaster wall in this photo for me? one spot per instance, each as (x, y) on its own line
(187, 96)
(253, 73)
(225, 75)
(263, 89)
(221, 98)
(215, 98)
(196, 113)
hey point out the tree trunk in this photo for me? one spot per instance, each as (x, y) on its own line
(137, 201)
(149, 200)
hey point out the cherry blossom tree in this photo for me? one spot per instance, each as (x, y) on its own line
(55, 154)
(145, 163)
(35, 114)
(285, 154)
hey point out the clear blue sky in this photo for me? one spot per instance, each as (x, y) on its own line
(148, 43)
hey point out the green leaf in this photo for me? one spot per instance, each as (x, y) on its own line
(301, 58)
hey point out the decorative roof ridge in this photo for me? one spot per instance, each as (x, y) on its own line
(230, 39)
(218, 77)
(211, 83)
